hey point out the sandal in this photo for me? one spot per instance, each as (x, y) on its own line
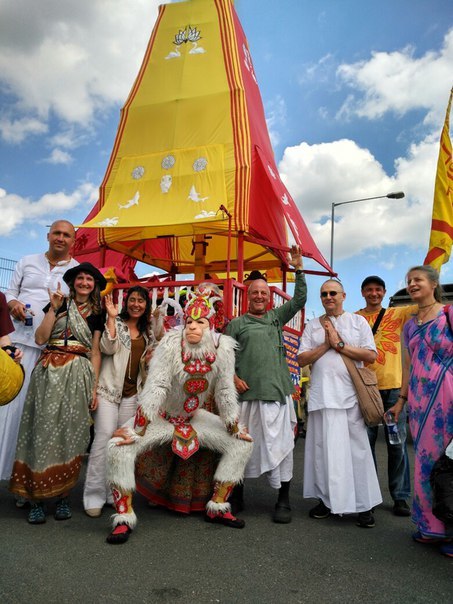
(36, 515)
(63, 510)
(419, 538)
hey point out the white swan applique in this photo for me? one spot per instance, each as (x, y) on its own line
(174, 54)
(109, 222)
(196, 50)
(195, 196)
(131, 202)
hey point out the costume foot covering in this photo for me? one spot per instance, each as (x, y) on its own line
(120, 534)
(225, 518)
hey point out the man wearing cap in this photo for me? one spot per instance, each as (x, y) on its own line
(187, 369)
(387, 324)
(33, 276)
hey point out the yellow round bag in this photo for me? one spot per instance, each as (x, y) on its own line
(11, 378)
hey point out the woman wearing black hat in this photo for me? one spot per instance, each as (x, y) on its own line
(55, 425)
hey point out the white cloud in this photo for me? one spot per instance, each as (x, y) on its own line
(58, 156)
(17, 130)
(69, 138)
(319, 175)
(72, 58)
(17, 210)
(399, 82)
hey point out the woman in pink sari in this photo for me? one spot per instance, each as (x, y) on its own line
(428, 388)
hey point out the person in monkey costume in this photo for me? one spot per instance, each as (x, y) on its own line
(189, 367)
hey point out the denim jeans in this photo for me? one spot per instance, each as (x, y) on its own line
(398, 462)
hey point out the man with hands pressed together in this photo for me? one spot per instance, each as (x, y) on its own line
(339, 468)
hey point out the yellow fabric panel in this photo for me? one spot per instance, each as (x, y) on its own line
(169, 188)
(162, 117)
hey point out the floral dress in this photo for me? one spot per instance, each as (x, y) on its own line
(430, 403)
(55, 427)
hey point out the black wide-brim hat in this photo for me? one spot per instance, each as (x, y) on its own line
(85, 267)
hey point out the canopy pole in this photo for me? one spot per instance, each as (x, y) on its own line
(199, 250)
(223, 208)
(240, 270)
(285, 278)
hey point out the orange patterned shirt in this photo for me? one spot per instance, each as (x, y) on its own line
(388, 343)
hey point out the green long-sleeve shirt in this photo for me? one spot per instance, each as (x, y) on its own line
(261, 359)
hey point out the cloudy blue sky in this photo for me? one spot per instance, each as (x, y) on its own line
(355, 94)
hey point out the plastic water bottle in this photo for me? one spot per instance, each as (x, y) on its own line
(28, 317)
(392, 429)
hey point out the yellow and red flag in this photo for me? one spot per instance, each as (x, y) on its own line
(441, 238)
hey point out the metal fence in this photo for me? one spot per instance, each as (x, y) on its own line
(6, 271)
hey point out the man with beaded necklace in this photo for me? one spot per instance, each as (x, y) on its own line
(387, 325)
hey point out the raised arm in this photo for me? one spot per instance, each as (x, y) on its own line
(44, 330)
(109, 340)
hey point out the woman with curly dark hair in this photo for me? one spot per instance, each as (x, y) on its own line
(126, 345)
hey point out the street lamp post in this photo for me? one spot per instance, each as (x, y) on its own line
(397, 195)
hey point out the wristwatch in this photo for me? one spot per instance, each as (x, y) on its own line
(339, 345)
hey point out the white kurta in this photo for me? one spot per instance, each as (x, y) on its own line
(271, 426)
(31, 279)
(339, 468)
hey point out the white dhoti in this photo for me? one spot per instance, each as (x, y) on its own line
(271, 426)
(339, 467)
(11, 414)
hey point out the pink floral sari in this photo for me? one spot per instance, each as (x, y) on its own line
(430, 401)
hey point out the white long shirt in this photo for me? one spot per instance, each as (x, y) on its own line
(330, 384)
(29, 284)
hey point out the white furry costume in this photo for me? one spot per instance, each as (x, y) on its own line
(164, 395)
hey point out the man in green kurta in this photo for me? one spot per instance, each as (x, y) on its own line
(265, 386)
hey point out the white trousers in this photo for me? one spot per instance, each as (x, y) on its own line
(11, 414)
(271, 426)
(339, 467)
(109, 416)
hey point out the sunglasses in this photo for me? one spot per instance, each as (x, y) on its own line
(332, 294)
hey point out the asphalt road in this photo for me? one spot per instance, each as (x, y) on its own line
(172, 558)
